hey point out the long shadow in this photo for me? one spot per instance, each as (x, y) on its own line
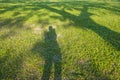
(17, 20)
(84, 21)
(50, 51)
(107, 34)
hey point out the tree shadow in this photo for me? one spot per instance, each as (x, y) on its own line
(18, 20)
(9, 8)
(107, 34)
(50, 51)
(84, 21)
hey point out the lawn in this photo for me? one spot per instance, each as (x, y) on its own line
(70, 40)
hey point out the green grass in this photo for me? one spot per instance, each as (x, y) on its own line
(84, 44)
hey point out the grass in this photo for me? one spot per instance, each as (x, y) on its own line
(82, 44)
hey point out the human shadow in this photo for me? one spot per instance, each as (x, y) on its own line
(50, 51)
(53, 56)
(84, 21)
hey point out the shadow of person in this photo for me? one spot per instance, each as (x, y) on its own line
(52, 55)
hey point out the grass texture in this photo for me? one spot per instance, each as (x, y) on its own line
(74, 40)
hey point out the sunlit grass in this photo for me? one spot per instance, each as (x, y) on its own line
(88, 53)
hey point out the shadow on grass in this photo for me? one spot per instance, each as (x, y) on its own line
(84, 21)
(81, 21)
(9, 8)
(50, 51)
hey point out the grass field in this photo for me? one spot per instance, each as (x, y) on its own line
(74, 40)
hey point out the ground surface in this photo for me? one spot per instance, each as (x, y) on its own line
(82, 44)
